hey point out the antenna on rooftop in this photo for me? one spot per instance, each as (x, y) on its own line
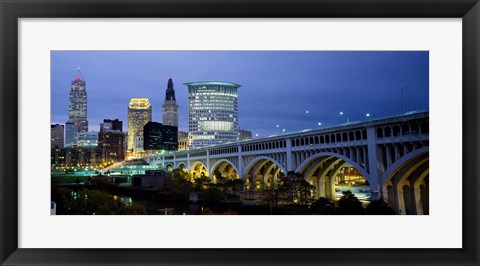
(78, 75)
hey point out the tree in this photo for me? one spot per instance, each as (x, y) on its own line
(221, 181)
(379, 207)
(296, 190)
(91, 202)
(201, 183)
(269, 198)
(235, 185)
(281, 191)
(60, 195)
(179, 173)
(349, 204)
(181, 186)
(322, 206)
(134, 209)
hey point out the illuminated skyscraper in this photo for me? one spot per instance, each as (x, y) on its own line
(139, 114)
(170, 107)
(77, 108)
(212, 113)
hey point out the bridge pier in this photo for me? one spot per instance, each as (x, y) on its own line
(374, 169)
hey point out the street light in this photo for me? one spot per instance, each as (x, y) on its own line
(348, 120)
(367, 115)
(319, 123)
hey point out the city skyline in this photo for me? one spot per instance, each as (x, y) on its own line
(315, 85)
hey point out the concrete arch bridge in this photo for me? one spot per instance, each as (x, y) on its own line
(389, 157)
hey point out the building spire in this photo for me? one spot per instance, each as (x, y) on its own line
(170, 93)
(170, 107)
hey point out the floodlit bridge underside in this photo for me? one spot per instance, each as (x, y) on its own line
(225, 169)
(406, 187)
(322, 172)
(391, 155)
(262, 173)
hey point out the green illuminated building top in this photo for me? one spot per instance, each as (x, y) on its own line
(206, 83)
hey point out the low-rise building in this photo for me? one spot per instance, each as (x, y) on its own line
(112, 144)
(87, 139)
(111, 125)
(57, 133)
(245, 134)
(182, 140)
(152, 179)
(77, 156)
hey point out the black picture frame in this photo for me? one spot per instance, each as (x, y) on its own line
(11, 11)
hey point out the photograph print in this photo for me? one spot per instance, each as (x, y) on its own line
(239, 132)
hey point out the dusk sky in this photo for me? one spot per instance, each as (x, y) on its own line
(278, 87)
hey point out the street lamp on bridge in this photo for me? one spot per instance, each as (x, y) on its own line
(341, 113)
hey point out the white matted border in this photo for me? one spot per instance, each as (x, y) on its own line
(441, 229)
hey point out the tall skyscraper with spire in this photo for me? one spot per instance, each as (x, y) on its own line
(170, 107)
(77, 108)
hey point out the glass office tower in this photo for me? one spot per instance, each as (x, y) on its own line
(212, 113)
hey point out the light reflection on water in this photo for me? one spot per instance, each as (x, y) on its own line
(158, 208)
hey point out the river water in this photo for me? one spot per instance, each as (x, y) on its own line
(161, 208)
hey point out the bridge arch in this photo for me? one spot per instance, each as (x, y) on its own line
(354, 164)
(169, 167)
(323, 171)
(181, 165)
(421, 193)
(405, 183)
(261, 158)
(224, 162)
(402, 162)
(262, 172)
(198, 169)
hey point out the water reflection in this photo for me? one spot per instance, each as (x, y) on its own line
(161, 208)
